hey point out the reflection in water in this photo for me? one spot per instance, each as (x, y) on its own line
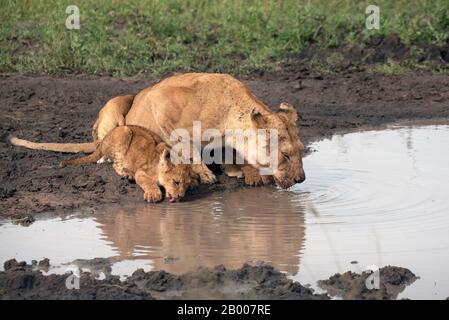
(378, 198)
(229, 229)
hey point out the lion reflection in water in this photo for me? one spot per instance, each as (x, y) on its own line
(229, 228)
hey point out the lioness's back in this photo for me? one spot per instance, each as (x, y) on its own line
(193, 80)
(179, 100)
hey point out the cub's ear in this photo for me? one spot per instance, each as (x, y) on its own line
(287, 112)
(164, 161)
(258, 119)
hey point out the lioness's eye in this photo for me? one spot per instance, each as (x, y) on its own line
(286, 156)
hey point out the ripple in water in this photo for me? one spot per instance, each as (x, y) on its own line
(377, 197)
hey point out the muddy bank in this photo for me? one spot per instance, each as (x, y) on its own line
(25, 281)
(64, 109)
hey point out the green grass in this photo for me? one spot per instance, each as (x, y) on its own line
(153, 37)
(392, 68)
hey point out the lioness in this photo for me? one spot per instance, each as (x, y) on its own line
(139, 154)
(220, 102)
(110, 116)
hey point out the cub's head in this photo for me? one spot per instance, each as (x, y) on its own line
(289, 169)
(176, 179)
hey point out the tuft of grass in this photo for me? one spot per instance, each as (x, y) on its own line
(141, 37)
(328, 65)
(392, 68)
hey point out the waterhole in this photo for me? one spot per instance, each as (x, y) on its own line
(371, 198)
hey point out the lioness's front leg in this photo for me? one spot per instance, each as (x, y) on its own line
(253, 177)
(152, 192)
(206, 176)
(232, 170)
(266, 180)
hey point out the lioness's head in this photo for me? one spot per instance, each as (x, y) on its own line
(289, 170)
(176, 179)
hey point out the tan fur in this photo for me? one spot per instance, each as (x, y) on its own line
(139, 154)
(110, 116)
(221, 102)
(232, 170)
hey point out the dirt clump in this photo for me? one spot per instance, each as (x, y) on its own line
(352, 286)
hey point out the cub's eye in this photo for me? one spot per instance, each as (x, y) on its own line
(176, 183)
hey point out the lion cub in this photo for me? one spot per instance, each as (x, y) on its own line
(139, 154)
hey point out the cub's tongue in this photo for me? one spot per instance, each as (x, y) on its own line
(171, 199)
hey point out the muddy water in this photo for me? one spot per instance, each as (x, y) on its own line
(370, 198)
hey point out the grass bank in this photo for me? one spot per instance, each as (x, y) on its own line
(153, 37)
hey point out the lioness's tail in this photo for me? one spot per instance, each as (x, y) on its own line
(94, 157)
(58, 147)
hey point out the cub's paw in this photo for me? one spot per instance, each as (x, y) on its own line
(152, 195)
(104, 159)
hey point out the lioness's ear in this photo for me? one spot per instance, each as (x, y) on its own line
(257, 118)
(288, 112)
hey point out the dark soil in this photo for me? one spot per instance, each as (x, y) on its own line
(64, 109)
(24, 281)
(375, 50)
(351, 286)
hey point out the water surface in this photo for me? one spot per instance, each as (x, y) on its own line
(375, 198)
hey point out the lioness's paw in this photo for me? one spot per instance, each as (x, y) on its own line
(253, 179)
(267, 180)
(194, 182)
(152, 195)
(207, 177)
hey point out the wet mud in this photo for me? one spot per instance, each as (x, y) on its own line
(26, 281)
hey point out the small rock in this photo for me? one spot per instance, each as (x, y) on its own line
(14, 265)
(44, 263)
